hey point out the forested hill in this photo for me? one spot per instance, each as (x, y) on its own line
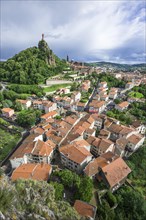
(124, 67)
(31, 66)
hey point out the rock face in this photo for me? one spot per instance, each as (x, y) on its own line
(29, 199)
(46, 52)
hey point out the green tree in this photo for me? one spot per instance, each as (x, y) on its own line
(85, 189)
(104, 211)
(111, 199)
(117, 101)
(59, 189)
(132, 204)
(18, 106)
(26, 118)
(74, 86)
(67, 177)
(97, 132)
(7, 103)
(1, 96)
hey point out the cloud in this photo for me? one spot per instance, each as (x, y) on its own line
(97, 30)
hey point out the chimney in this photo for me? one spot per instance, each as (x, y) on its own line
(42, 36)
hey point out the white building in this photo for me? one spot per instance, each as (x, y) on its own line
(75, 158)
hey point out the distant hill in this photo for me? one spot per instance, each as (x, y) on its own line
(31, 66)
(124, 67)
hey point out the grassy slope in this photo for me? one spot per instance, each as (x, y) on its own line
(55, 87)
(135, 94)
(7, 142)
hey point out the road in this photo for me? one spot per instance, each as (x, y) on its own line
(92, 95)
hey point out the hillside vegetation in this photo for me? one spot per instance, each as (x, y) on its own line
(31, 66)
(124, 67)
(28, 199)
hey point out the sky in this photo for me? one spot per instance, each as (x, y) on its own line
(99, 30)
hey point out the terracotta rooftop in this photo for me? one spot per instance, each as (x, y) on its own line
(50, 120)
(105, 144)
(62, 131)
(49, 115)
(81, 104)
(93, 167)
(103, 82)
(85, 209)
(103, 95)
(47, 126)
(50, 143)
(90, 131)
(116, 171)
(33, 147)
(65, 124)
(96, 142)
(25, 147)
(32, 171)
(76, 154)
(79, 130)
(91, 139)
(39, 130)
(113, 89)
(41, 148)
(56, 139)
(115, 128)
(108, 122)
(103, 133)
(80, 143)
(7, 110)
(37, 102)
(123, 104)
(96, 117)
(134, 139)
(122, 142)
(71, 119)
(97, 104)
(126, 130)
(109, 156)
(136, 124)
(130, 83)
(102, 144)
(22, 101)
(88, 118)
(86, 125)
(112, 92)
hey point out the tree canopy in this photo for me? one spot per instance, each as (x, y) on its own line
(27, 118)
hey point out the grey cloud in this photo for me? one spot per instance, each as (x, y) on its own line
(73, 27)
(51, 35)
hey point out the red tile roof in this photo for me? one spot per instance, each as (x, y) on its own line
(39, 130)
(49, 115)
(134, 139)
(76, 154)
(7, 110)
(32, 171)
(85, 209)
(123, 104)
(41, 148)
(116, 171)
